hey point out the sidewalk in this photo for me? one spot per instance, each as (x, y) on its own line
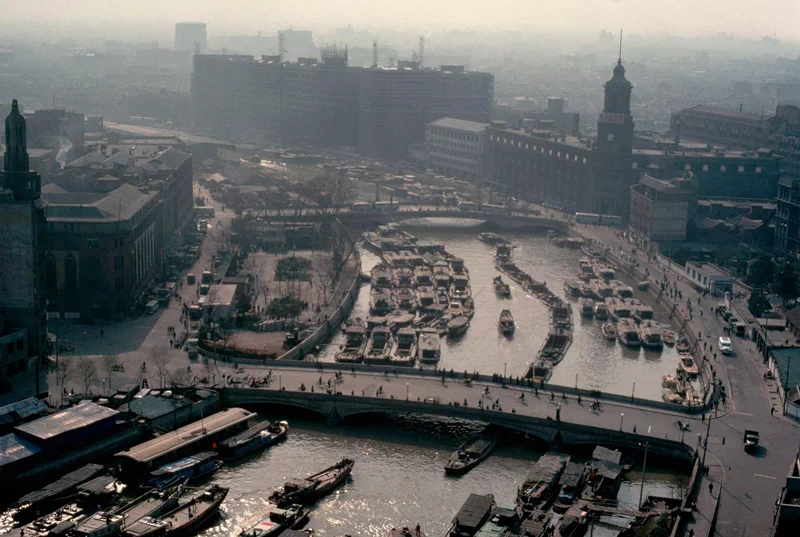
(702, 519)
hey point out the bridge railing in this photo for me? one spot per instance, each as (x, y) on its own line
(483, 379)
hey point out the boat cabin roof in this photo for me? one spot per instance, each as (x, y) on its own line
(407, 331)
(355, 329)
(572, 475)
(474, 512)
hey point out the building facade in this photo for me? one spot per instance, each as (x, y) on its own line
(380, 111)
(454, 147)
(595, 175)
(660, 208)
(727, 126)
(23, 301)
(787, 217)
(102, 249)
(709, 276)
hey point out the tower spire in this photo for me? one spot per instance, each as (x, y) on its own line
(620, 46)
(16, 157)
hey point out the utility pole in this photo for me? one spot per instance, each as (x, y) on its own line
(644, 469)
(705, 443)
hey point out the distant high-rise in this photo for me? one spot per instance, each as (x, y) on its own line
(191, 36)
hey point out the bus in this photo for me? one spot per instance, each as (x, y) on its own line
(386, 206)
(151, 307)
(204, 212)
(362, 207)
(493, 209)
(599, 219)
(467, 206)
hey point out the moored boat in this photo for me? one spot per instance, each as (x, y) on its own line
(506, 322)
(490, 238)
(610, 331)
(404, 350)
(259, 436)
(429, 346)
(600, 311)
(587, 307)
(683, 346)
(650, 335)
(457, 326)
(313, 487)
(628, 333)
(668, 337)
(573, 289)
(687, 365)
(470, 453)
(194, 512)
(195, 467)
(353, 349)
(570, 486)
(539, 485)
(501, 287)
(378, 346)
(277, 520)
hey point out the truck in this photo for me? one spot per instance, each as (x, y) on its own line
(750, 440)
(191, 347)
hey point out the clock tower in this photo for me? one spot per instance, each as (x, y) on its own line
(615, 126)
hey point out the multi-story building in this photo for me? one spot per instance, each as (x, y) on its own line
(727, 126)
(394, 105)
(380, 110)
(595, 175)
(23, 301)
(787, 218)
(102, 248)
(191, 36)
(661, 208)
(454, 147)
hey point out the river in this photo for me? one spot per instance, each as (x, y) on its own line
(398, 478)
(593, 361)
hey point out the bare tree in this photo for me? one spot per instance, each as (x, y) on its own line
(63, 372)
(88, 371)
(225, 334)
(160, 359)
(325, 275)
(340, 248)
(331, 192)
(179, 377)
(110, 361)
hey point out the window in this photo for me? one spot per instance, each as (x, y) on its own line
(687, 167)
(723, 168)
(584, 160)
(93, 244)
(20, 344)
(10, 349)
(51, 274)
(119, 283)
(70, 273)
(741, 169)
(758, 169)
(705, 167)
(635, 165)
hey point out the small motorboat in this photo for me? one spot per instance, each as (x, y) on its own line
(501, 287)
(587, 307)
(683, 345)
(610, 331)
(600, 311)
(195, 511)
(668, 337)
(506, 323)
(688, 365)
(277, 520)
(259, 436)
(470, 453)
(429, 346)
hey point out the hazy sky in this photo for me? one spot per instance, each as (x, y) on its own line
(754, 18)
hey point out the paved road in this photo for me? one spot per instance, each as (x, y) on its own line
(752, 482)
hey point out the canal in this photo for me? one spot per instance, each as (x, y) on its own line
(591, 360)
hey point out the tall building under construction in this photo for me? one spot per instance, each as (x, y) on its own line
(378, 110)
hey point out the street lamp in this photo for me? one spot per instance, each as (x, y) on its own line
(280, 383)
(633, 391)
(644, 469)
(621, 417)
(406, 391)
(505, 367)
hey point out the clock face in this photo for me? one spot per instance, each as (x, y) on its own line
(610, 137)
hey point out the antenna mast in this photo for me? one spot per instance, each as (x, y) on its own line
(620, 47)
(421, 55)
(281, 45)
(375, 53)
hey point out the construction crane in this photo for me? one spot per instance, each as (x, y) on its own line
(421, 53)
(281, 45)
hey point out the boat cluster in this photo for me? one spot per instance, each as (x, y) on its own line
(558, 497)
(417, 295)
(605, 298)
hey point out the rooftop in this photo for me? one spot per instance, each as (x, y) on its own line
(14, 448)
(709, 269)
(221, 294)
(782, 358)
(120, 204)
(459, 124)
(186, 435)
(724, 112)
(79, 416)
(21, 410)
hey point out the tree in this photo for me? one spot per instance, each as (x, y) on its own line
(110, 361)
(761, 271)
(757, 303)
(786, 283)
(179, 378)
(339, 246)
(331, 192)
(87, 371)
(160, 359)
(63, 372)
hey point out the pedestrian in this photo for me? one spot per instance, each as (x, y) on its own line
(711, 488)
(772, 411)
(691, 532)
